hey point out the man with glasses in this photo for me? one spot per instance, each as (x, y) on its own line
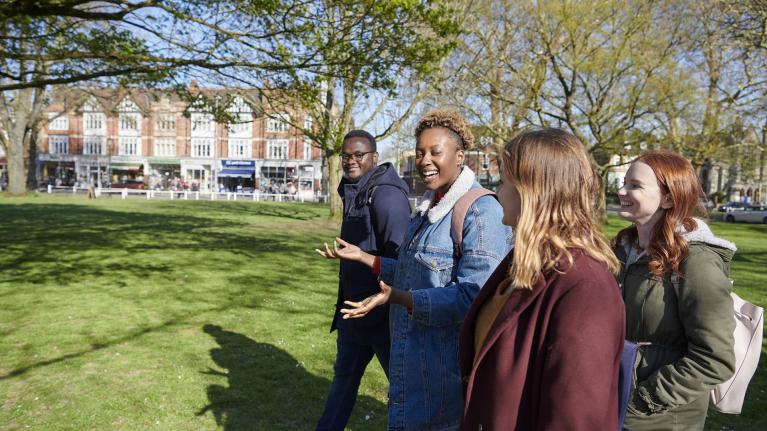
(376, 215)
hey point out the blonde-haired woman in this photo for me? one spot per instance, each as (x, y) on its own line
(540, 347)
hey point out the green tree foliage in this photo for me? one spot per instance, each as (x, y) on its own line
(323, 55)
(367, 50)
(620, 75)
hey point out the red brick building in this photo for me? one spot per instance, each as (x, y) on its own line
(155, 139)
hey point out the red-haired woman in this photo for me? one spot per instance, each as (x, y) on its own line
(674, 280)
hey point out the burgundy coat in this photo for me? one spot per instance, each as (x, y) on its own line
(550, 360)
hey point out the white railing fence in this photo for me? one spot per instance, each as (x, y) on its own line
(125, 193)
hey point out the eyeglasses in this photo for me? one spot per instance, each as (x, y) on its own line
(358, 156)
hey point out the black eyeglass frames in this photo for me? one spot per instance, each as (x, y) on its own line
(358, 156)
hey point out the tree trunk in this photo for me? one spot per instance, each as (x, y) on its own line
(17, 174)
(334, 178)
(601, 202)
(323, 168)
(32, 162)
(762, 164)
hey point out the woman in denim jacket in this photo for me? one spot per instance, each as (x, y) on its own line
(431, 286)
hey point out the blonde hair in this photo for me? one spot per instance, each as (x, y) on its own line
(557, 187)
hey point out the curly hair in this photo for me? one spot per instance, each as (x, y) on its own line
(451, 120)
(676, 176)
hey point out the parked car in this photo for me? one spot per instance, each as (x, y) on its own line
(732, 206)
(129, 184)
(752, 214)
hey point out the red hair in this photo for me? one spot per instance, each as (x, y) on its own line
(676, 177)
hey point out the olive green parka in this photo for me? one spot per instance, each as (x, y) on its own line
(689, 330)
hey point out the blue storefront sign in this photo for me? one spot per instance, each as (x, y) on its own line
(237, 168)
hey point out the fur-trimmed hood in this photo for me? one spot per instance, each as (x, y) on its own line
(702, 234)
(461, 185)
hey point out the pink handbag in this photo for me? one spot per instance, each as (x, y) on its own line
(727, 397)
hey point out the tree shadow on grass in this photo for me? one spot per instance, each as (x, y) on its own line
(64, 243)
(267, 389)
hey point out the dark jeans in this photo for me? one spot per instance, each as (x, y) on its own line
(352, 357)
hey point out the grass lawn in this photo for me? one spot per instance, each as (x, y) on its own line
(180, 315)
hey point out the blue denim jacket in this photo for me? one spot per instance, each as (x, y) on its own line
(424, 378)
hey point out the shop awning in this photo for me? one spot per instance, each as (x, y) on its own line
(125, 166)
(164, 161)
(236, 173)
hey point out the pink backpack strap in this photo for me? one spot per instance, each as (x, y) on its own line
(459, 214)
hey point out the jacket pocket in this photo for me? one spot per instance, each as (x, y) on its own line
(439, 264)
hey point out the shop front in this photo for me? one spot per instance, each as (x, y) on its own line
(197, 174)
(127, 172)
(57, 170)
(308, 180)
(237, 175)
(275, 176)
(92, 170)
(164, 173)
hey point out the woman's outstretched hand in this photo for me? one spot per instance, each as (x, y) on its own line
(360, 309)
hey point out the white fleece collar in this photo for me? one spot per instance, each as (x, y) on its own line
(703, 234)
(461, 185)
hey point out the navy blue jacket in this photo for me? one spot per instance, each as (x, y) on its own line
(376, 216)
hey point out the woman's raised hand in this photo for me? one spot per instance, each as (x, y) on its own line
(359, 309)
(346, 251)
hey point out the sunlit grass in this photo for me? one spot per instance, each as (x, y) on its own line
(168, 315)
(198, 315)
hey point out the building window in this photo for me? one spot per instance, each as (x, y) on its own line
(278, 124)
(277, 149)
(202, 147)
(94, 121)
(58, 121)
(166, 123)
(307, 149)
(130, 146)
(165, 147)
(240, 147)
(58, 144)
(242, 129)
(202, 124)
(308, 122)
(130, 124)
(93, 145)
(242, 116)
